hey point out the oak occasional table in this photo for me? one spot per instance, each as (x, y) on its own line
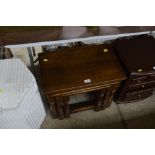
(79, 70)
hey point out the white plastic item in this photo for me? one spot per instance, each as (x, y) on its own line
(20, 102)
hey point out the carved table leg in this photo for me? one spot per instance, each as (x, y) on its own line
(66, 106)
(53, 110)
(53, 107)
(110, 98)
(107, 99)
(100, 98)
(59, 104)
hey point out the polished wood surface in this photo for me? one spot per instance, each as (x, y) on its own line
(21, 35)
(136, 55)
(79, 70)
(66, 69)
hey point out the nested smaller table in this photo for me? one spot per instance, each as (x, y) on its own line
(78, 70)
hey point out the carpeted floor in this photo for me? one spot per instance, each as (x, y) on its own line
(136, 115)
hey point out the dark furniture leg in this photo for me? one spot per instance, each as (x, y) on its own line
(1, 52)
(60, 107)
(30, 51)
(100, 97)
(66, 106)
(108, 99)
(53, 109)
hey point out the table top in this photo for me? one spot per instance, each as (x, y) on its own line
(33, 34)
(137, 54)
(78, 68)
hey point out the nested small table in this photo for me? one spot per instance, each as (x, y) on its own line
(78, 70)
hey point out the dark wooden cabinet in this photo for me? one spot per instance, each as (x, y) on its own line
(137, 57)
(5, 53)
(77, 70)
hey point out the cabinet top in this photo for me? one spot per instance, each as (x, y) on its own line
(137, 54)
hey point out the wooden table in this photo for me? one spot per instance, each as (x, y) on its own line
(79, 70)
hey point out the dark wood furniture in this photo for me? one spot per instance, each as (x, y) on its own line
(78, 70)
(10, 35)
(5, 53)
(137, 56)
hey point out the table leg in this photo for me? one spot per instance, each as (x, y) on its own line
(1, 52)
(53, 110)
(60, 107)
(66, 106)
(30, 51)
(100, 98)
(108, 99)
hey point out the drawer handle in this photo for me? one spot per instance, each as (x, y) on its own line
(139, 81)
(45, 60)
(143, 86)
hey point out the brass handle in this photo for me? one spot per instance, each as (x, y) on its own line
(45, 60)
(105, 50)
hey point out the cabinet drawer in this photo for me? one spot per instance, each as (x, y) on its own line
(135, 81)
(141, 85)
(152, 77)
(138, 95)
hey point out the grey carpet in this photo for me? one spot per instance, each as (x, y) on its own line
(135, 115)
